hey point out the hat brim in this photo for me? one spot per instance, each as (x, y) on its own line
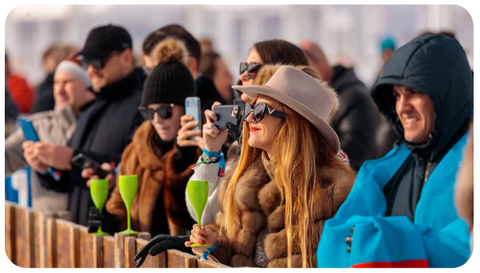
(94, 53)
(327, 132)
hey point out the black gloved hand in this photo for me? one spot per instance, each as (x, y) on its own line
(160, 243)
(95, 219)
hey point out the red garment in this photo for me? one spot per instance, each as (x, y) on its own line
(20, 92)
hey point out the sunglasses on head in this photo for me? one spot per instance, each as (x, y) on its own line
(251, 68)
(165, 112)
(259, 110)
(98, 63)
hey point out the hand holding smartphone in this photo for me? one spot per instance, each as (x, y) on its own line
(83, 162)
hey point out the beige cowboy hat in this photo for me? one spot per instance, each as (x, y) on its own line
(302, 93)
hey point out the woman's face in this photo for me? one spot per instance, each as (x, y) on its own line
(167, 129)
(223, 79)
(263, 133)
(252, 57)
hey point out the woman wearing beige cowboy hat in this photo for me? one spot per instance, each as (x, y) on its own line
(288, 179)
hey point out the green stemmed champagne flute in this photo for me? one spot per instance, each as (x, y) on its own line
(99, 193)
(128, 189)
(198, 195)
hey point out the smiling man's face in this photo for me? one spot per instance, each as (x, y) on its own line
(416, 113)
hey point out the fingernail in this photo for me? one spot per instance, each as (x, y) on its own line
(200, 242)
(204, 241)
(203, 234)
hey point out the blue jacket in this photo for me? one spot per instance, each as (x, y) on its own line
(436, 238)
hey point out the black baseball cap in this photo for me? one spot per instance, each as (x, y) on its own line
(102, 41)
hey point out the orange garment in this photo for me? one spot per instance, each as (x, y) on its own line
(20, 92)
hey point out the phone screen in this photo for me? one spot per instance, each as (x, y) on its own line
(192, 108)
(28, 130)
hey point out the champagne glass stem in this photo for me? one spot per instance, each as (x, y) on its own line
(128, 219)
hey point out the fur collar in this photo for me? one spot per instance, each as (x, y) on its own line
(141, 140)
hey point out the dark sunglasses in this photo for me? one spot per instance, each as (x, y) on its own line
(259, 110)
(165, 112)
(251, 68)
(98, 63)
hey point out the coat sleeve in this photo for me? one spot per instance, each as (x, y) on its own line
(356, 128)
(209, 173)
(392, 242)
(14, 159)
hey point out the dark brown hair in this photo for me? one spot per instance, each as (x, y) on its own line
(177, 31)
(280, 51)
(207, 66)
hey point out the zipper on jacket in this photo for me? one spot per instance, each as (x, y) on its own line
(426, 172)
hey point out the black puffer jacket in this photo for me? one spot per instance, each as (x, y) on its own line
(356, 120)
(436, 66)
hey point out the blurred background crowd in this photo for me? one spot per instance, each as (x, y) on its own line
(353, 38)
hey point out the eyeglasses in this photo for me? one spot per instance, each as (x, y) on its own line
(251, 68)
(259, 110)
(98, 63)
(165, 112)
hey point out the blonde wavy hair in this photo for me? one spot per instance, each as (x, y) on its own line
(303, 150)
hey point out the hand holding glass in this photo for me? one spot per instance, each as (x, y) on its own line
(198, 196)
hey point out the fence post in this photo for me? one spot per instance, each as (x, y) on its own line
(10, 231)
(51, 240)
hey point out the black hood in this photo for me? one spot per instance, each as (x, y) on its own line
(438, 67)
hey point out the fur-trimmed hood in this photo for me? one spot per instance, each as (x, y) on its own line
(258, 200)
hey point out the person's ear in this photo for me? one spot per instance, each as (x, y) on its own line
(127, 57)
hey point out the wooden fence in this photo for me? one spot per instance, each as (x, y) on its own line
(50, 240)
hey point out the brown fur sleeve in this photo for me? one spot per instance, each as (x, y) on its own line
(115, 204)
(174, 193)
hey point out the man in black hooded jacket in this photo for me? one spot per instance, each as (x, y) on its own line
(400, 211)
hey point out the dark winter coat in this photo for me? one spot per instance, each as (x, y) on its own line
(45, 100)
(356, 120)
(103, 131)
(436, 66)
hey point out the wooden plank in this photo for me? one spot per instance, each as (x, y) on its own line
(98, 261)
(36, 240)
(159, 261)
(43, 240)
(21, 246)
(178, 259)
(130, 248)
(87, 248)
(51, 242)
(75, 246)
(210, 264)
(108, 251)
(30, 238)
(10, 231)
(63, 247)
(120, 249)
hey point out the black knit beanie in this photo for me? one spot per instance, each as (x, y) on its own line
(168, 83)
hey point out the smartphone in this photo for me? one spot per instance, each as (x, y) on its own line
(83, 162)
(192, 108)
(28, 130)
(228, 116)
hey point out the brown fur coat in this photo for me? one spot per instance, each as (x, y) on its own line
(154, 174)
(258, 200)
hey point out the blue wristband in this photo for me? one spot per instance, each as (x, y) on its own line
(222, 164)
(209, 250)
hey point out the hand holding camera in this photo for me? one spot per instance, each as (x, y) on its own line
(214, 138)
